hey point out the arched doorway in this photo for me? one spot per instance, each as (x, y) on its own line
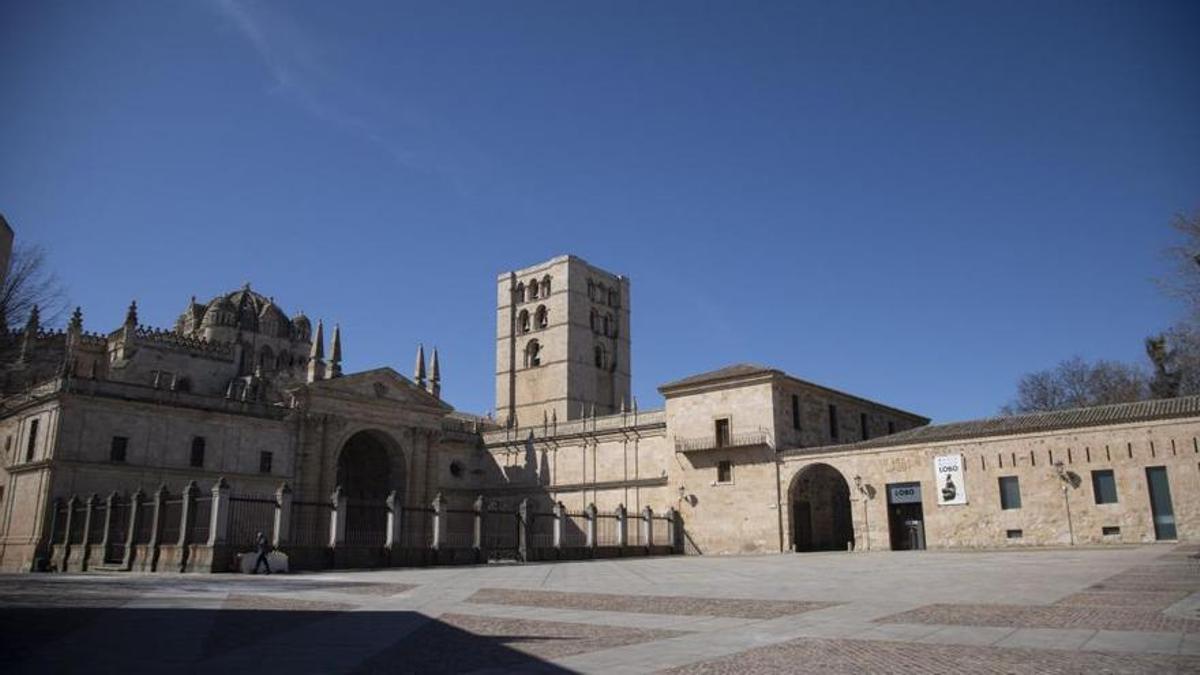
(820, 509)
(370, 466)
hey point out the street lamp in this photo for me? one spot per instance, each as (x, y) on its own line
(866, 494)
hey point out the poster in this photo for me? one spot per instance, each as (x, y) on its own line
(951, 487)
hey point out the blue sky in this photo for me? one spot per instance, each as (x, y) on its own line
(912, 201)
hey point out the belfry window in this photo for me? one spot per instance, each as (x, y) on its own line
(540, 318)
(523, 320)
(599, 354)
(533, 354)
(546, 286)
(533, 290)
(519, 295)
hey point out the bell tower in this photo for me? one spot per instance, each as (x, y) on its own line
(562, 342)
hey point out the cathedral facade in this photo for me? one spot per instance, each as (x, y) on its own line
(754, 459)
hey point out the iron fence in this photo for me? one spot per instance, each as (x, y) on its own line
(460, 528)
(145, 523)
(171, 514)
(661, 533)
(118, 532)
(58, 523)
(78, 516)
(96, 533)
(574, 533)
(633, 529)
(201, 519)
(249, 515)
(310, 523)
(366, 523)
(416, 527)
(606, 529)
(540, 530)
(500, 534)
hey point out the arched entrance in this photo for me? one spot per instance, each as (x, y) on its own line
(370, 466)
(820, 509)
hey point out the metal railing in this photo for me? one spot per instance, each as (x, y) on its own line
(741, 440)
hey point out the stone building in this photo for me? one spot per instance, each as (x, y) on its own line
(754, 459)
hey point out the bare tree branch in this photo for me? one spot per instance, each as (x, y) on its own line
(31, 282)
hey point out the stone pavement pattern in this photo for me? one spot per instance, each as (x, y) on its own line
(1050, 611)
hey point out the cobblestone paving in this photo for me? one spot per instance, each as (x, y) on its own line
(1051, 616)
(648, 604)
(459, 643)
(372, 589)
(869, 656)
(1137, 599)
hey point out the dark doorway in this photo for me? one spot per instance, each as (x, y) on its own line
(365, 474)
(821, 518)
(1160, 502)
(906, 518)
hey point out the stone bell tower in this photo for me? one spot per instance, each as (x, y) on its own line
(562, 342)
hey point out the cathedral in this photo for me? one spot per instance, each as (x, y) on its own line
(240, 394)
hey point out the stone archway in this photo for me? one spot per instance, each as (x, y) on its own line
(820, 510)
(370, 466)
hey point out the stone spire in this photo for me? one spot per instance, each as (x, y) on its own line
(31, 329)
(435, 376)
(131, 317)
(316, 355)
(419, 368)
(76, 324)
(335, 353)
(34, 322)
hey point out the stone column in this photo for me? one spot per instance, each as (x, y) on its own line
(622, 526)
(66, 549)
(395, 518)
(477, 534)
(673, 528)
(591, 526)
(647, 526)
(218, 514)
(440, 518)
(135, 517)
(283, 515)
(110, 502)
(560, 516)
(187, 518)
(337, 519)
(523, 529)
(88, 517)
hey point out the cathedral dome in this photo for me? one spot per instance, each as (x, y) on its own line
(272, 321)
(248, 311)
(301, 327)
(219, 312)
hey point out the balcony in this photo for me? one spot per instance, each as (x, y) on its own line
(747, 439)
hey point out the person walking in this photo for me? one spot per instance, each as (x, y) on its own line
(264, 547)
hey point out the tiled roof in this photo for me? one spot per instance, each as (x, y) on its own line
(1119, 413)
(728, 372)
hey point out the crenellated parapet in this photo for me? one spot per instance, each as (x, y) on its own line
(174, 340)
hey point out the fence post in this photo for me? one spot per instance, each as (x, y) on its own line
(622, 526)
(66, 549)
(160, 496)
(48, 561)
(218, 513)
(109, 502)
(439, 521)
(90, 505)
(135, 515)
(590, 513)
(283, 515)
(673, 528)
(560, 515)
(337, 519)
(477, 534)
(395, 516)
(647, 526)
(523, 529)
(187, 518)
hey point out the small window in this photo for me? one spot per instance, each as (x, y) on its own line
(1104, 486)
(833, 422)
(891, 427)
(864, 431)
(541, 318)
(198, 452)
(533, 290)
(264, 462)
(796, 412)
(546, 286)
(591, 290)
(116, 452)
(1014, 534)
(8, 443)
(31, 445)
(599, 356)
(725, 471)
(523, 321)
(614, 298)
(533, 354)
(1010, 493)
(1110, 530)
(519, 294)
(722, 432)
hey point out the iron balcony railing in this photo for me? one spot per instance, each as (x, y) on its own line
(745, 439)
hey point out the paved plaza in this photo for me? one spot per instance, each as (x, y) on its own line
(1126, 610)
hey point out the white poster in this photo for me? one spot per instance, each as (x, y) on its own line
(948, 477)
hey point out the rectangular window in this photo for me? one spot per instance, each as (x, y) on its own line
(32, 445)
(116, 452)
(1104, 486)
(724, 471)
(1014, 534)
(722, 433)
(1010, 493)
(1110, 530)
(833, 422)
(198, 452)
(891, 427)
(796, 412)
(264, 462)
(862, 426)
